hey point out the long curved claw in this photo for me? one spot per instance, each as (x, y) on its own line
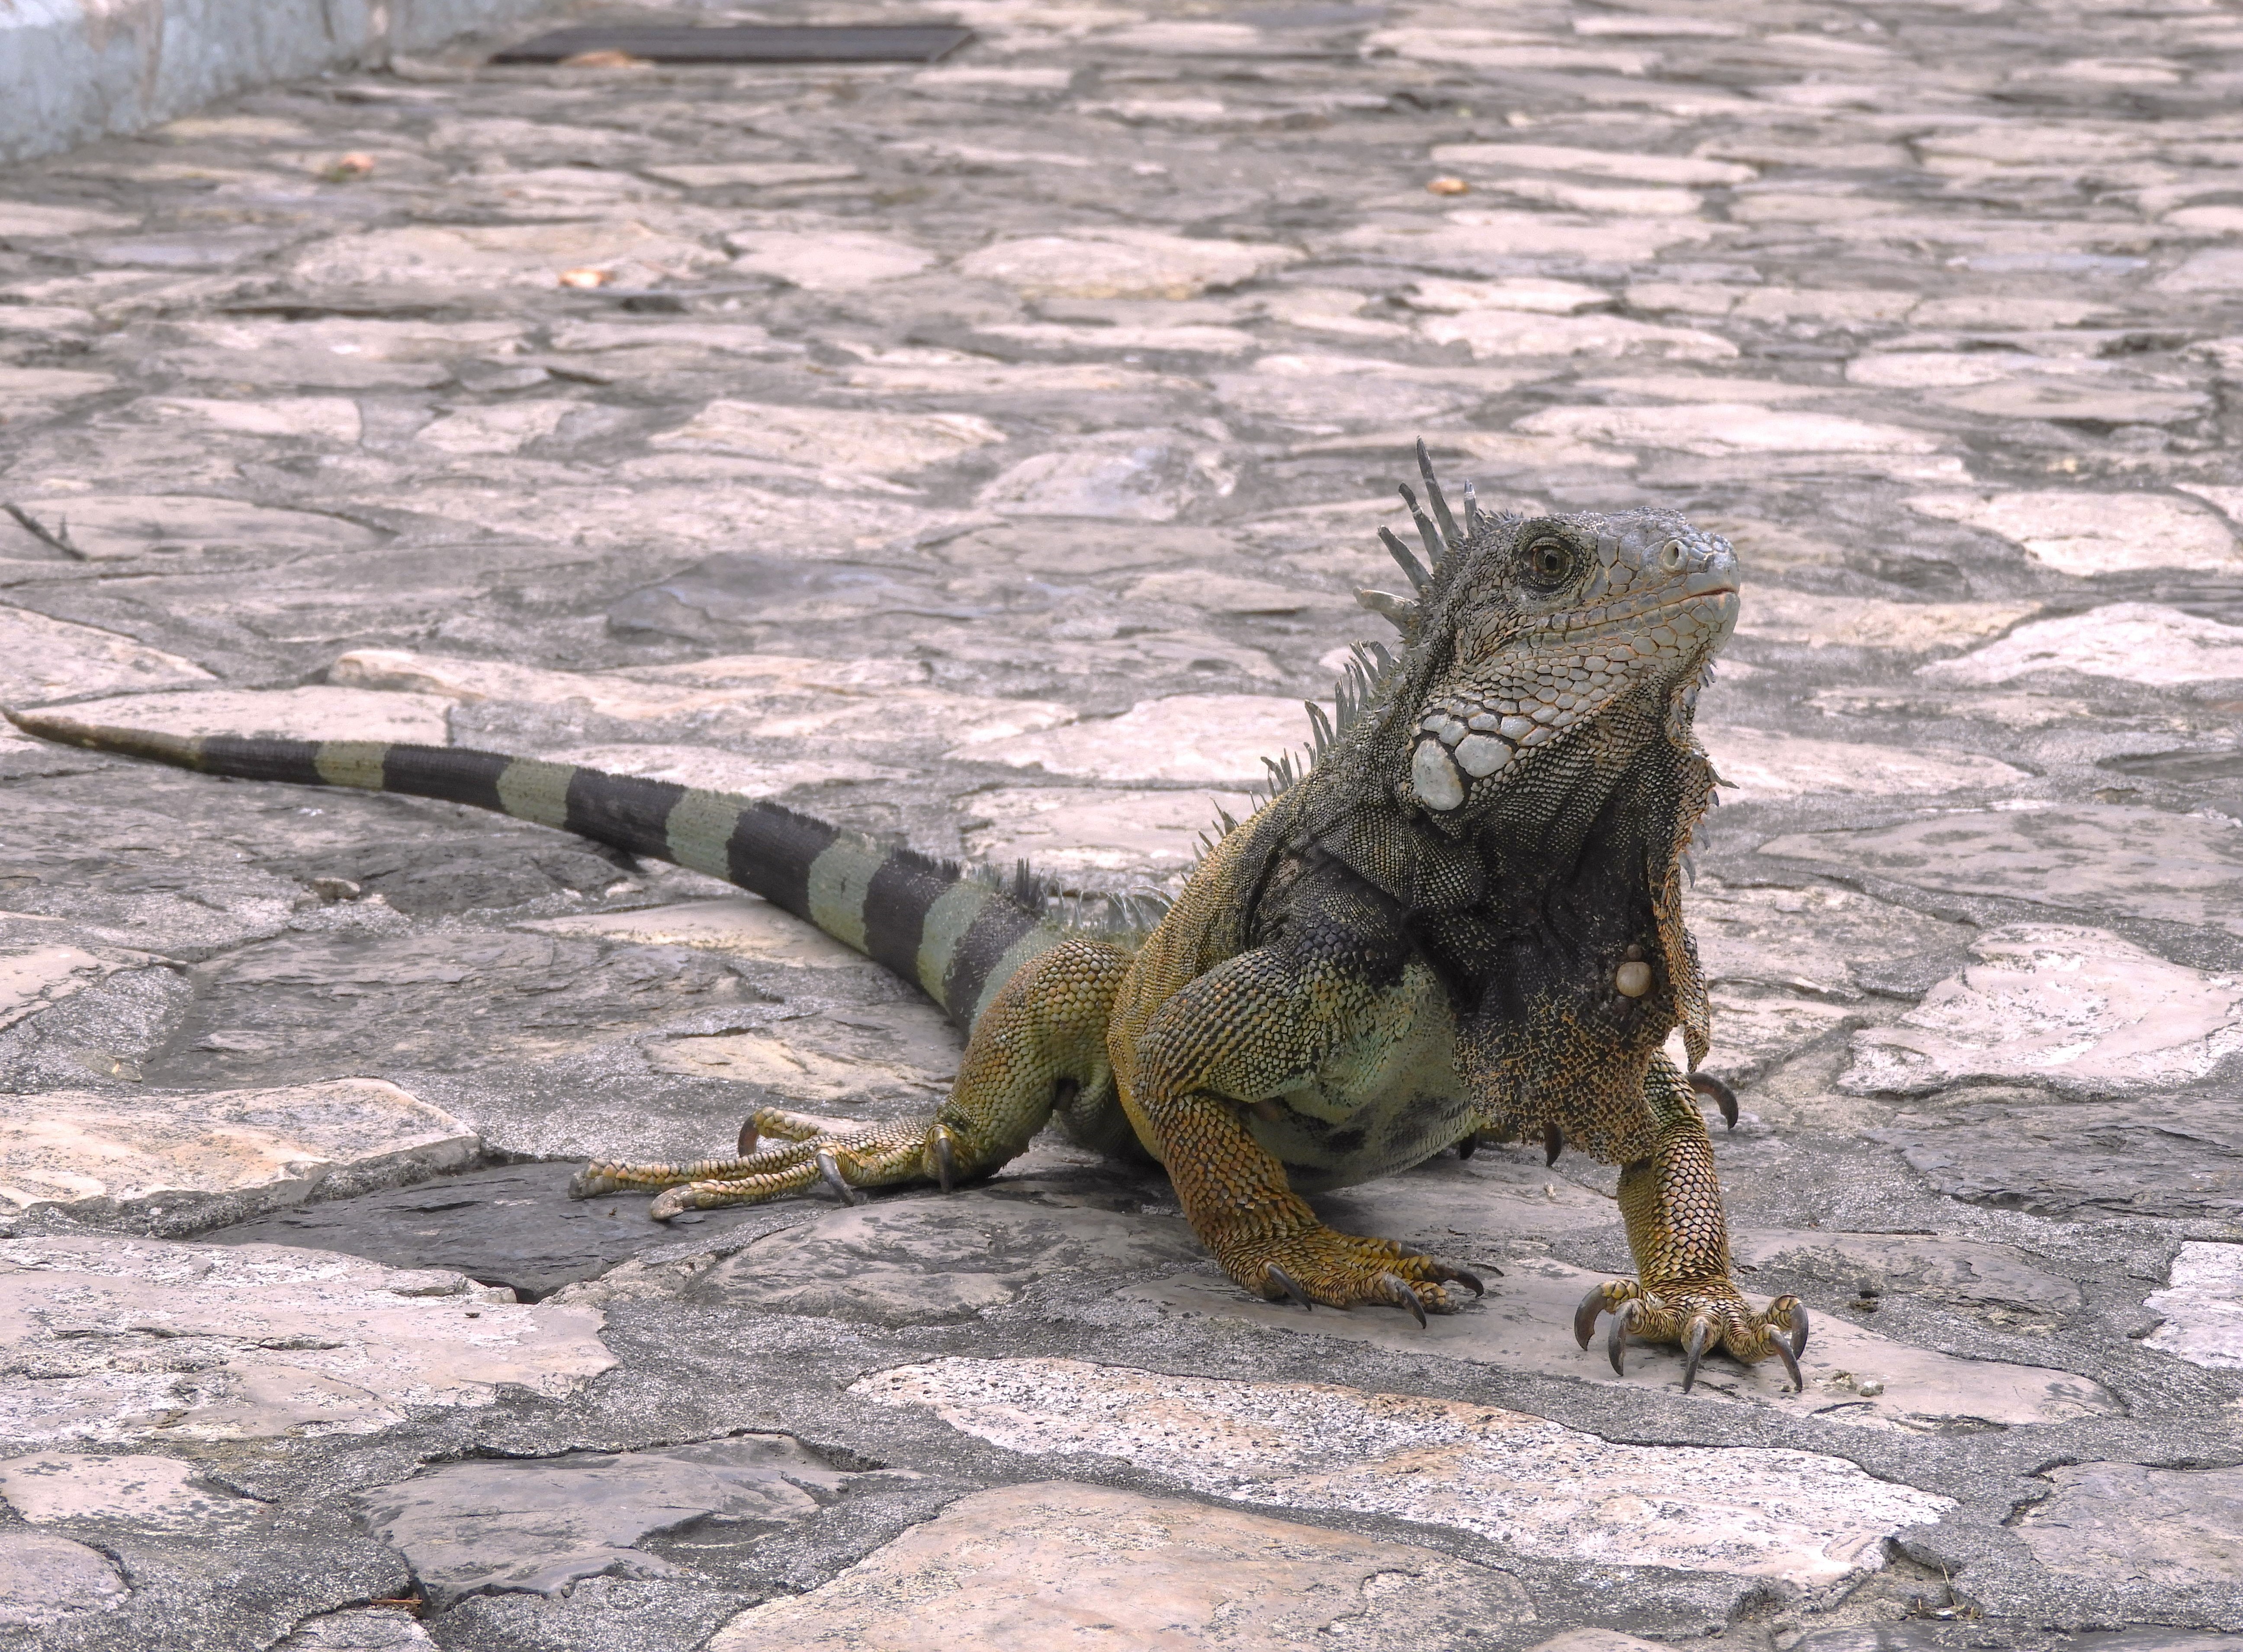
(1790, 1364)
(1724, 1098)
(1290, 1287)
(1396, 1290)
(750, 1137)
(1586, 1316)
(829, 1171)
(1616, 1338)
(1798, 1311)
(946, 1161)
(1698, 1333)
(1470, 1282)
(1554, 1143)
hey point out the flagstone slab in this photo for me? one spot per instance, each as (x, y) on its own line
(43, 660)
(1202, 739)
(1537, 1487)
(2074, 1007)
(1765, 763)
(2141, 863)
(120, 1340)
(1097, 829)
(2122, 1523)
(2179, 1158)
(108, 526)
(2203, 1306)
(153, 1493)
(2145, 642)
(539, 1526)
(49, 1582)
(196, 1158)
(1819, 622)
(1525, 1324)
(314, 713)
(2084, 533)
(1026, 1568)
(1124, 263)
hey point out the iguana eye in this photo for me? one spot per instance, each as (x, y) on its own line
(1549, 563)
(1671, 556)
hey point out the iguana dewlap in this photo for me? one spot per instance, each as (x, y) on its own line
(1466, 916)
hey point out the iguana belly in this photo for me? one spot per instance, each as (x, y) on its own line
(1385, 1098)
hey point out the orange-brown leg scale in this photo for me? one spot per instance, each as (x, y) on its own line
(1682, 1293)
(1240, 1033)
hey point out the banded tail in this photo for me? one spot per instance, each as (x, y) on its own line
(957, 938)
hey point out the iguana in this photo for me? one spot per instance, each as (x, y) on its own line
(1465, 915)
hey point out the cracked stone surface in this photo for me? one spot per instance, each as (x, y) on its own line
(986, 455)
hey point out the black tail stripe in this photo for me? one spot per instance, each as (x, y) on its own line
(991, 937)
(896, 904)
(295, 760)
(451, 773)
(623, 810)
(771, 851)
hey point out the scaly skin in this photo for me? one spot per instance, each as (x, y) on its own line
(1467, 913)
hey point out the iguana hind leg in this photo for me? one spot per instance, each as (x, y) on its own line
(1682, 1293)
(1042, 1039)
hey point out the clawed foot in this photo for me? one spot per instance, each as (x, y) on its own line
(1704, 1314)
(808, 1152)
(1340, 1271)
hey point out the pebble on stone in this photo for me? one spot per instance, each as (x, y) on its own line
(2077, 1009)
(2203, 1306)
(1540, 1488)
(1024, 1569)
(120, 1340)
(197, 1157)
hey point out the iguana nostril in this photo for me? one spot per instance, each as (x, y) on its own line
(1671, 556)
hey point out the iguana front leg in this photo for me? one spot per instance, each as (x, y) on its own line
(1231, 1041)
(1041, 1042)
(1676, 1230)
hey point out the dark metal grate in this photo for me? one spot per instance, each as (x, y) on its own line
(923, 42)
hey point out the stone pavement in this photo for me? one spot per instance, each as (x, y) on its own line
(987, 454)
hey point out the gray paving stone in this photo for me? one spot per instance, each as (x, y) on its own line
(2137, 1524)
(539, 1526)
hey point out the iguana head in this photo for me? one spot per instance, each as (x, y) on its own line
(1528, 630)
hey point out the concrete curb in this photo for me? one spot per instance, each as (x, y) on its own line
(75, 70)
